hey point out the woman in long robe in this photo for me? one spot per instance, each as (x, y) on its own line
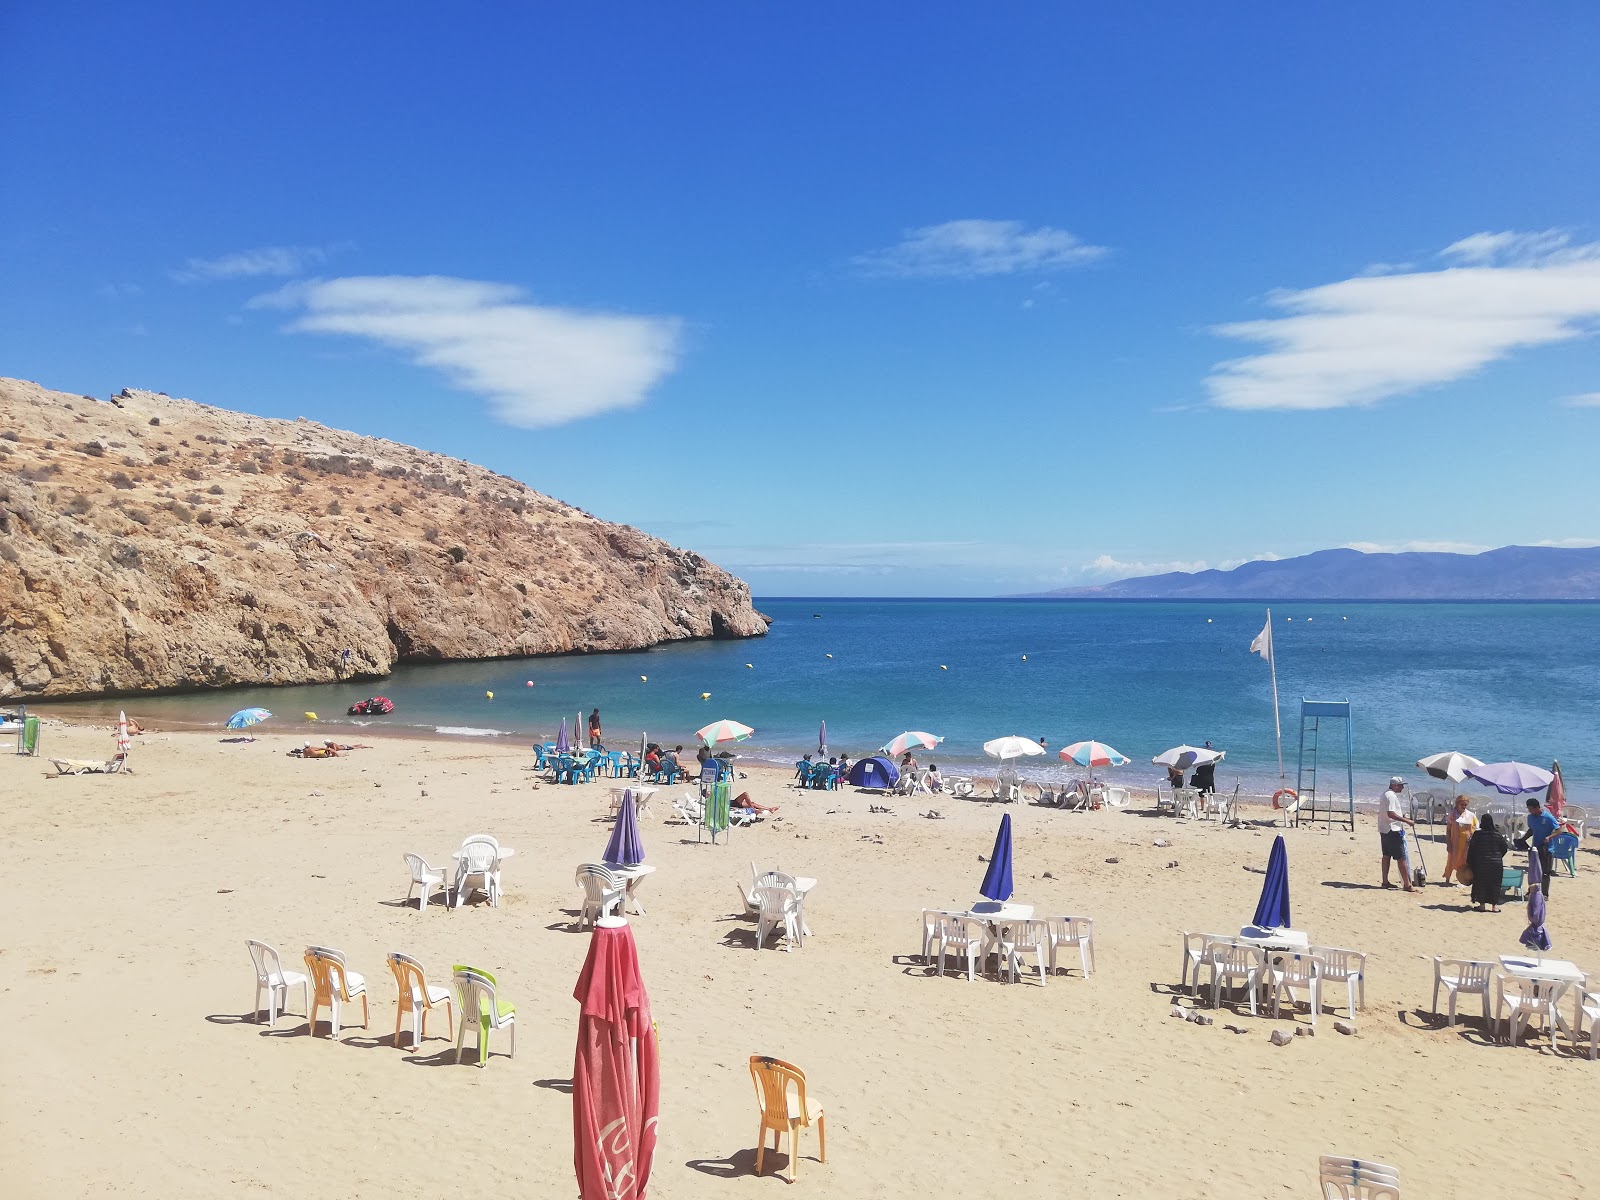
(1486, 854)
(1458, 828)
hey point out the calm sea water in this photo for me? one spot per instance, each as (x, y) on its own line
(1494, 680)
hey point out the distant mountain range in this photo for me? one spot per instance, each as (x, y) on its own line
(1509, 573)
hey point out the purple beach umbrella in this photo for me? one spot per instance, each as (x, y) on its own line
(625, 849)
(1534, 936)
(1511, 778)
(563, 742)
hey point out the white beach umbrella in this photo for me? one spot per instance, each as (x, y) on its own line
(1184, 757)
(122, 733)
(1012, 747)
(1451, 765)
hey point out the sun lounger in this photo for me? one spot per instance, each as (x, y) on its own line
(82, 766)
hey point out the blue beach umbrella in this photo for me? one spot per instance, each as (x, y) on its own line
(997, 881)
(1534, 936)
(1273, 910)
(247, 717)
(563, 742)
(625, 849)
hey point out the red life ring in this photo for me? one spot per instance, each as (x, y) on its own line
(1277, 796)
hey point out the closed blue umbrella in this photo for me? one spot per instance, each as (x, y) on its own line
(997, 881)
(1534, 936)
(563, 742)
(625, 849)
(1273, 910)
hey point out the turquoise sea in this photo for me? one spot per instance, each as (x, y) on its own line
(1494, 680)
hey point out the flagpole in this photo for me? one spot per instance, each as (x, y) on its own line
(1277, 720)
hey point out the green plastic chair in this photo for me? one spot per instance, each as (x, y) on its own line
(483, 1008)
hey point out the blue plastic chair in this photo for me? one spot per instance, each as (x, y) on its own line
(1564, 849)
(803, 771)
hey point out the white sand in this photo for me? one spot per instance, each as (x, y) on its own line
(131, 1067)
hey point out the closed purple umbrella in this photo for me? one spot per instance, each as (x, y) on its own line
(563, 742)
(1534, 936)
(625, 849)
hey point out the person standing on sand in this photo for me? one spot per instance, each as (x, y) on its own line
(1458, 829)
(1486, 854)
(594, 730)
(1393, 835)
(1541, 828)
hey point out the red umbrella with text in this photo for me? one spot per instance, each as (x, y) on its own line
(616, 1083)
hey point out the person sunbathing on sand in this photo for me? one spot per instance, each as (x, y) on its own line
(742, 800)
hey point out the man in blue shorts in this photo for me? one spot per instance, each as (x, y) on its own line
(1391, 829)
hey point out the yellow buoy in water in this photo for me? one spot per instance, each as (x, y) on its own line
(644, 678)
(705, 695)
(490, 695)
(829, 656)
(942, 667)
(749, 666)
(311, 716)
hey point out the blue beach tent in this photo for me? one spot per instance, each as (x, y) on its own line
(877, 772)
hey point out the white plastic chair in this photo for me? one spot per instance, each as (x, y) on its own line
(960, 934)
(1357, 1179)
(484, 1010)
(779, 906)
(333, 983)
(1461, 976)
(1072, 931)
(1588, 1006)
(1287, 973)
(1574, 815)
(275, 981)
(1230, 962)
(1021, 938)
(423, 876)
(480, 861)
(932, 920)
(1186, 803)
(1117, 797)
(1194, 954)
(602, 892)
(1525, 999)
(1348, 967)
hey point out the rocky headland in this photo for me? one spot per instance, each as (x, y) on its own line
(150, 544)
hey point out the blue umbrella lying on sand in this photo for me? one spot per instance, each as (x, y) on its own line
(246, 717)
(625, 849)
(1272, 911)
(997, 880)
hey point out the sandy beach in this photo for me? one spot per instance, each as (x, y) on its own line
(131, 1065)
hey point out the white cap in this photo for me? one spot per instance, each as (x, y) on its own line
(1394, 779)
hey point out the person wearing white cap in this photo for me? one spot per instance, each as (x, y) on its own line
(1392, 835)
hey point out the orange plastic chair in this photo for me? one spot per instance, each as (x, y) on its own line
(782, 1114)
(418, 997)
(332, 985)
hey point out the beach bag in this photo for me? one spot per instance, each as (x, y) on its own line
(1465, 875)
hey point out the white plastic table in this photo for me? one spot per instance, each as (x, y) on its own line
(995, 915)
(1558, 973)
(641, 798)
(632, 877)
(1293, 940)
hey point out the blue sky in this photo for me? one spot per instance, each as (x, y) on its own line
(899, 301)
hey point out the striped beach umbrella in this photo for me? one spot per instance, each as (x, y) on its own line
(718, 732)
(925, 741)
(122, 733)
(1093, 754)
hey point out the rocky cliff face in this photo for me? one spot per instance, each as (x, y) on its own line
(151, 543)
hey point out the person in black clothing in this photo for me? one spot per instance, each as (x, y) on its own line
(1205, 778)
(1486, 854)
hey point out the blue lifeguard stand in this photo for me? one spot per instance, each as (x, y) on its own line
(1319, 717)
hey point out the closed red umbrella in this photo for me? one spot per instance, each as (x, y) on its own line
(1555, 799)
(616, 1082)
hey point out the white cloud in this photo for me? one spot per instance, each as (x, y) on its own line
(1569, 542)
(1363, 340)
(250, 264)
(972, 248)
(1106, 565)
(1583, 400)
(537, 365)
(1417, 547)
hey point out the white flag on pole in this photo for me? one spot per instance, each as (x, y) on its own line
(1263, 641)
